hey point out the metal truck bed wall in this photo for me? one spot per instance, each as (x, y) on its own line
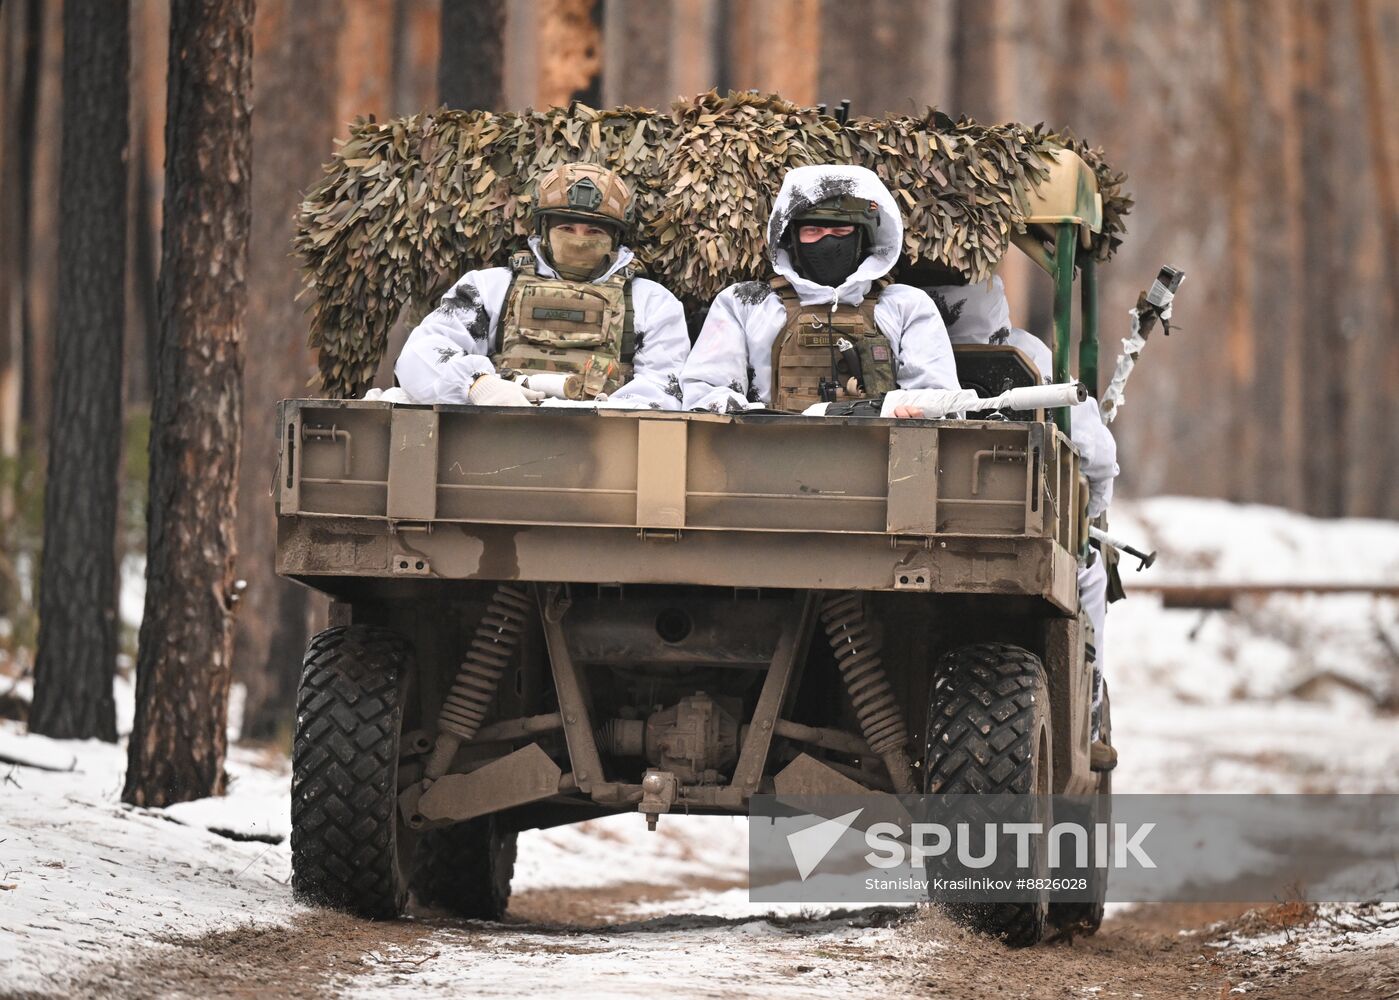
(374, 490)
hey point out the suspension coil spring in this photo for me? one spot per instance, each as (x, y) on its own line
(857, 652)
(492, 646)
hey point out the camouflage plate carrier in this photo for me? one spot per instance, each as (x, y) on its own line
(802, 352)
(557, 325)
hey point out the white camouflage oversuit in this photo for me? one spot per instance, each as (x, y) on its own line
(730, 367)
(452, 345)
(979, 314)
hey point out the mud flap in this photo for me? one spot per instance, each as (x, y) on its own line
(1070, 676)
(525, 776)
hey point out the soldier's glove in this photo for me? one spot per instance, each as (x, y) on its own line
(492, 390)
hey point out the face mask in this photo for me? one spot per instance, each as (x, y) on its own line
(828, 261)
(578, 258)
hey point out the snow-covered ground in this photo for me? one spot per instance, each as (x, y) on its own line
(1290, 693)
(82, 876)
(1282, 694)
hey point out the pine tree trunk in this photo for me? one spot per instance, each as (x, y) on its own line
(1379, 481)
(77, 645)
(364, 87)
(1324, 347)
(1279, 258)
(40, 252)
(182, 671)
(774, 46)
(873, 54)
(980, 61)
(636, 38)
(16, 31)
(1239, 348)
(471, 60)
(693, 57)
(417, 31)
(294, 76)
(22, 26)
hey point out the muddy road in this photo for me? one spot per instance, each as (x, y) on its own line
(576, 943)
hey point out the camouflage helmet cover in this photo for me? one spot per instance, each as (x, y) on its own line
(585, 192)
(845, 210)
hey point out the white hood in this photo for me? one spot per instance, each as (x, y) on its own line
(803, 187)
(974, 314)
(623, 258)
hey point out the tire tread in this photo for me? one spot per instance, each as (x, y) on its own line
(344, 771)
(465, 869)
(980, 739)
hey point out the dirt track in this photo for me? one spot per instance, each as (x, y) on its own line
(566, 942)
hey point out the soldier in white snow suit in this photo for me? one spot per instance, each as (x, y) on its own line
(827, 327)
(979, 314)
(572, 305)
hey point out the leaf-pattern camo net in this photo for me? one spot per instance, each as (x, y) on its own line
(408, 205)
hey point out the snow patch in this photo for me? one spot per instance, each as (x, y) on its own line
(87, 878)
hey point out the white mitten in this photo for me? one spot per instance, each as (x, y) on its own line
(492, 390)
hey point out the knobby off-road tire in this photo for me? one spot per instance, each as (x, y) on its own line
(349, 849)
(1084, 918)
(465, 869)
(989, 733)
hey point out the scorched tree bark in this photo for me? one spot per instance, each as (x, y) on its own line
(182, 671)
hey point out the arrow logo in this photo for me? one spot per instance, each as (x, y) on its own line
(811, 845)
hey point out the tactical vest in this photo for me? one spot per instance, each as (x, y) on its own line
(557, 325)
(802, 352)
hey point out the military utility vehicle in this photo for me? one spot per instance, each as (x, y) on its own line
(541, 616)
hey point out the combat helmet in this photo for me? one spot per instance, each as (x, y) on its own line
(582, 192)
(842, 210)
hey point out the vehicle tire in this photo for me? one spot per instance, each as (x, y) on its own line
(1084, 918)
(465, 869)
(349, 848)
(988, 732)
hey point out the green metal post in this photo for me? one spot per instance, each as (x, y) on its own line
(1065, 242)
(1088, 320)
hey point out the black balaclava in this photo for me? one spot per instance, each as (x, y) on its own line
(828, 261)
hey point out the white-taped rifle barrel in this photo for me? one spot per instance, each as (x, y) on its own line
(936, 403)
(1036, 397)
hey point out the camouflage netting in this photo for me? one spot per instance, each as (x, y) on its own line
(407, 206)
